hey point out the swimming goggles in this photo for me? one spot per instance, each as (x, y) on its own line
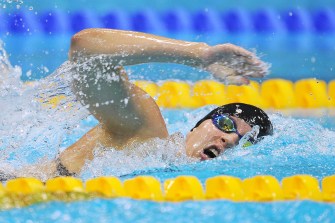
(226, 124)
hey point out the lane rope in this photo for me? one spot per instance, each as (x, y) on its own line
(21, 192)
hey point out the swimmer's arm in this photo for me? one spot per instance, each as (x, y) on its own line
(129, 48)
(75, 156)
(226, 62)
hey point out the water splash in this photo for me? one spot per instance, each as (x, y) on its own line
(16, 4)
(35, 116)
(155, 153)
(10, 76)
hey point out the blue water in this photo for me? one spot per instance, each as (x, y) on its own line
(125, 210)
(129, 5)
(292, 57)
(297, 40)
(299, 146)
(30, 133)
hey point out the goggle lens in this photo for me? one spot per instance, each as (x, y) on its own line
(224, 123)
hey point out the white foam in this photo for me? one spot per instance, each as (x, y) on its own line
(155, 153)
(30, 128)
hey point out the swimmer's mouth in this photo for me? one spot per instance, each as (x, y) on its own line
(212, 152)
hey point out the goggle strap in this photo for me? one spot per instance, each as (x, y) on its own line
(250, 137)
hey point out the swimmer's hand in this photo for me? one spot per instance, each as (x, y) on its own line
(232, 64)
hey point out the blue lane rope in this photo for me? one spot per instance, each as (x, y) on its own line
(231, 21)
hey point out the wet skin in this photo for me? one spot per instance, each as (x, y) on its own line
(208, 137)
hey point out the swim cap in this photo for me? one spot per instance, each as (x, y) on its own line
(249, 113)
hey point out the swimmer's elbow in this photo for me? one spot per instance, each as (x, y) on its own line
(76, 45)
(93, 41)
(80, 42)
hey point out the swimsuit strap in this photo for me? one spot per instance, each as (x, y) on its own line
(62, 170)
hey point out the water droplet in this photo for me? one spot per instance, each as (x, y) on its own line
(28, 74)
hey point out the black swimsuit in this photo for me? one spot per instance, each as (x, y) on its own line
(5, 176)
(62, 170)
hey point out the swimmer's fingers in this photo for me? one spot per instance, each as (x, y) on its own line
(254, 67)
(257, 70)
(227, 52)
(237, 80)
(238, 74)
(242, 61)
(247, 66)
(236, 66)
(221, 49)
(227, 75)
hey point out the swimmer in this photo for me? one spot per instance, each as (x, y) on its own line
(127, 114)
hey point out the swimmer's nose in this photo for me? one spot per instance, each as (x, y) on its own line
(224, 143)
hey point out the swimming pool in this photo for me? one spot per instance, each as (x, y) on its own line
(301, 145)
(292, 150)
(302, 34)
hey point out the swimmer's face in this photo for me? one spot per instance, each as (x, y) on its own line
(207, 141)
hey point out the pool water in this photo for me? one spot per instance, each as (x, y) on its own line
(291, 57)
(125, 210)
(31, 132)
(292, 150)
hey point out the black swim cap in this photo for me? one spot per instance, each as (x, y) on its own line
(249, 113)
